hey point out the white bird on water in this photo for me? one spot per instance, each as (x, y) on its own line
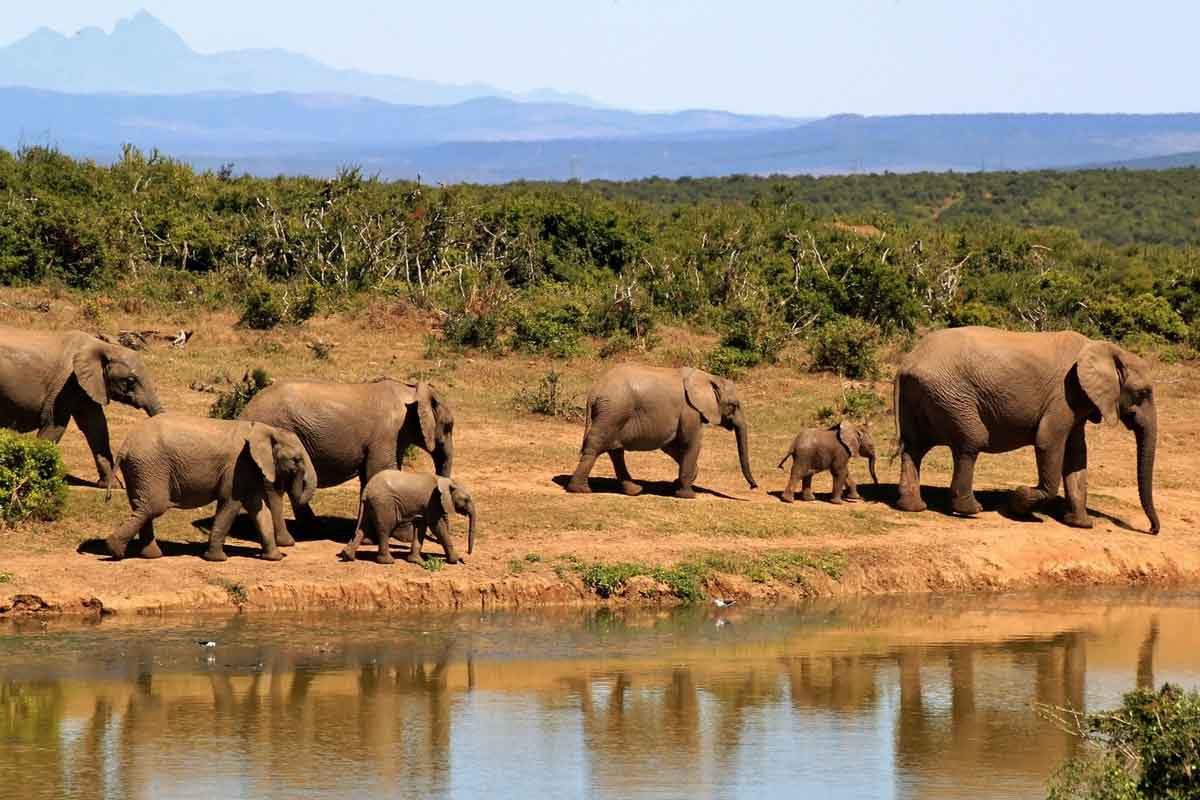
(723, 603)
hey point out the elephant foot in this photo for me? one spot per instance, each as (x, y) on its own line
(1077, 520)
(116, 548)
(788, 497)
(1025, 499)
(579, 488)
(272, 555)
(385, 558)
(414, 558)
(453, 559)
(911, 503)
(853, 498)
(285, 541)
(967, 506)
(151, 550)
(808, 497)
(837, 501)
(685, 493)
(215, 556)
(630, 488)
(346, 555)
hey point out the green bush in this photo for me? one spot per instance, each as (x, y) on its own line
(32, 484)
(261, 309)
(229, 405)
(549, 398)
(755, 330)
(846, 346)
(1148, 314)
(858, 404)
(463, 329)
(729, 361)
(1147, 748)
(548, 331)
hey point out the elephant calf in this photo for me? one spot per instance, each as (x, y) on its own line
(173, 461)
(395, 502)
(816, 450)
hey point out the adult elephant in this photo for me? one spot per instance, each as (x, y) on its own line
(633, 407)
(982, 390)
(49, 378)
(356, 429)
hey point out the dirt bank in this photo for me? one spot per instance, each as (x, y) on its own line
(536, 541)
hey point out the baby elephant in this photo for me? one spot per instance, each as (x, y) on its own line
(394, 501)
(816, 450)
(174, 461)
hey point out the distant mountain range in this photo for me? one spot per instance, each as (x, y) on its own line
(270, 112)
(144, 56)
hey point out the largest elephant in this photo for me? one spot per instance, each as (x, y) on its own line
(983, 390)
(48, 378)
(634, 407)
(356, 429)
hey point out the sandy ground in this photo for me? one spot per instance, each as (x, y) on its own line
(531, 530)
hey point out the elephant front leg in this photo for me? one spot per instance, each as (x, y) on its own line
(94, 426)
(147, 545)
(962, 484)
(627, 485)
(689, 467)
(414, 552)
(1075, 479)
(264, 521)
(227, 511)
(839, 487)
(852, 494)
(441, 532)
(282, 537)
(910, 479)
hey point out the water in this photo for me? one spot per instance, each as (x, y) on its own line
(905, 698)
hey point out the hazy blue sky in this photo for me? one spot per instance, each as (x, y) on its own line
(784, 56)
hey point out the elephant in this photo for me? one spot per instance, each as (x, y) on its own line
(49, 378)
(815, 450)
(635, 407)
(356, 429)
(983, 390)
(177, 461)
(393, 502)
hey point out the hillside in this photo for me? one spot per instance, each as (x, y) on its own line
(142, 55)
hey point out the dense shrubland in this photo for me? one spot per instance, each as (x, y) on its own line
(839, 263)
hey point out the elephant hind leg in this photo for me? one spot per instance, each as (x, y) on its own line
(118, 541)
(1050, 471)
(627, 485)
(806, 493)
(962, 493)
(579, 480)
(910, 477)
(795, 476)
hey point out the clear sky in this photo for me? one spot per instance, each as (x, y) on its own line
(798, 57)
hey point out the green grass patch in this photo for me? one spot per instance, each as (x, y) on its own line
(236, 590)
(686, 579)
(432, 564)
(6, 577)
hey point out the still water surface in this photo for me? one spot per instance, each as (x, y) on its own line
(905, 698)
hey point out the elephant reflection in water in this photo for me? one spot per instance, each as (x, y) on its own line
(977, 738)
(847, 684)
(648, 728)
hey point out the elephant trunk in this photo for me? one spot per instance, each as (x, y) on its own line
(739, 428)
(471, 529)
(150, 403)
(1145, 431)
(871, 467)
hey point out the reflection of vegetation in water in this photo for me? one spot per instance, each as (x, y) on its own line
(29, 712)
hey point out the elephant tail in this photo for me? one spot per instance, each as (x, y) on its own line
(786, 456)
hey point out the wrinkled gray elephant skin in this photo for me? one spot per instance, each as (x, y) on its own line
(405, 504)
(982, 390)
(49, 378)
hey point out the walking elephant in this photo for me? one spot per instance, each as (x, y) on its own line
(356, 429)
(176, 461)
(813, 451)
(48, 378)
(394, 503)
(633, 407)
(982, 390)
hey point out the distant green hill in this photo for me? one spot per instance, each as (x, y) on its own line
(1173, 161)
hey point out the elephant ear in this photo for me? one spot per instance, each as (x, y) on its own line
(262, 450)
(849, 437)
(426, 399)
(1100, 373)
(445, 491)
(88, 364)
(701, 391)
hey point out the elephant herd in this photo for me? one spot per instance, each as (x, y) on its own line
(975, 390)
